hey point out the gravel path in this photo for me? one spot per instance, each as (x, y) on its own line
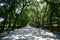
(30, 33)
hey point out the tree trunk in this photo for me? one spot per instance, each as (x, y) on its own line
(3, 26)
(50, 19)
(50, 22)
(10, 16)
(43, 22)
(44, 16)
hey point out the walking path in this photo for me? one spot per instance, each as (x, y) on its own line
(30, 33)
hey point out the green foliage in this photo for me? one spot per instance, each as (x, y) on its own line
(19, 13)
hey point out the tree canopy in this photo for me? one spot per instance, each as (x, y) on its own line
(38, 13)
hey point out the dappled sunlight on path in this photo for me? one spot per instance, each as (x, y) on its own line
(30, 33)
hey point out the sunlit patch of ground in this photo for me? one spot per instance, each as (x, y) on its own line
(30, 33)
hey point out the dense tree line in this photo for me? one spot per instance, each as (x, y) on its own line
(37, 13)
